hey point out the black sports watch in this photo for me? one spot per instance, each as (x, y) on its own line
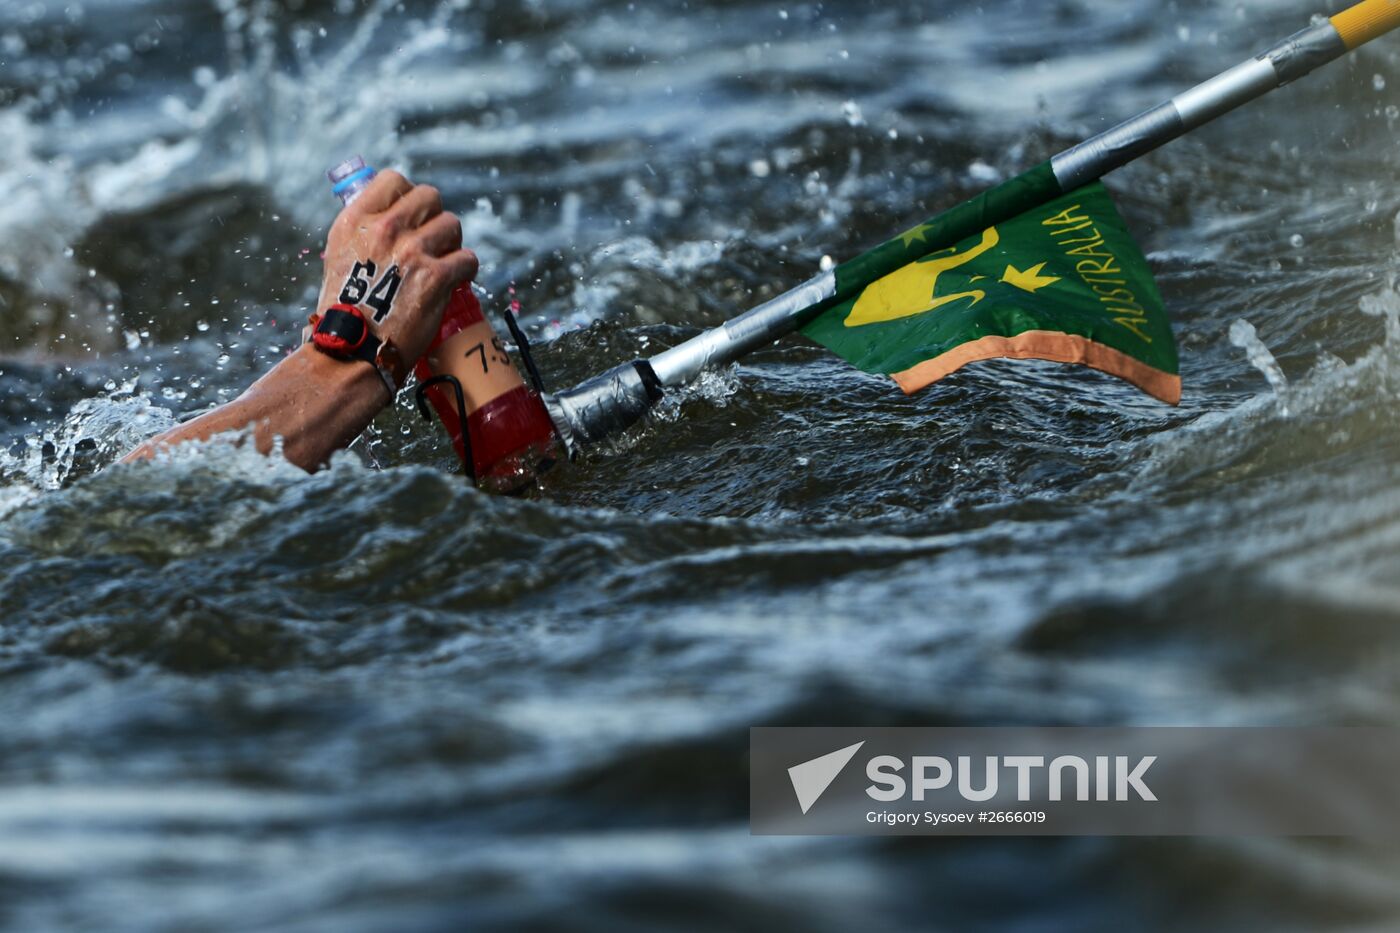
(341, 331)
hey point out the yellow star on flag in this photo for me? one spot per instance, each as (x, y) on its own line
(915, 233)
(1029, 281)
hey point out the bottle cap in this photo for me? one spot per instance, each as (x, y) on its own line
(349, 178)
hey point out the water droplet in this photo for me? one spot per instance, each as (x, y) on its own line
(982, 173)
(851, 111)
(827, 264)
(760, 168)
(1296, 241)
(1378, 82)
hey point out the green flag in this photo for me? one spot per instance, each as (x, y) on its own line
(1062, 281)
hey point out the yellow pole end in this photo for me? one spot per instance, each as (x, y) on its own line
(1368, 20)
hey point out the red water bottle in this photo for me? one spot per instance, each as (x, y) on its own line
(510, 438)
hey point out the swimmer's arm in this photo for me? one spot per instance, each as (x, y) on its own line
(318, 404)
(315, 403)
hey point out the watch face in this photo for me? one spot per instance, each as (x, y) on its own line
(342, 330)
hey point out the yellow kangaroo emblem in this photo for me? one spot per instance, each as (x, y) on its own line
(910, 291)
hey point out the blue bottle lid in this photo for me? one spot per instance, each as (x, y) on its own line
(349, 178)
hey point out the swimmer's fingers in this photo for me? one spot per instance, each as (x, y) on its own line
(460, 266)
(441, 235)
(387, 188)
(417, 207)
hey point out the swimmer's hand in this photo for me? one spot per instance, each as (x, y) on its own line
(318, 404)
(396, 255)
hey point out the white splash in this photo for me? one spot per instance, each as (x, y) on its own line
(264, 122)
(714, 387)
(96, 432)
(1336, 405)
(1244, 336)
(615, 268)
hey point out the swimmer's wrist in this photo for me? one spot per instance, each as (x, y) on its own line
(341, 381)
(343, 333)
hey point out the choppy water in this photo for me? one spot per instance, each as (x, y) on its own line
(236, 697)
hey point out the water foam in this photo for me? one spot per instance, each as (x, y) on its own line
(619, 265)
(1335, 406)
(247, 126)
(94, 433)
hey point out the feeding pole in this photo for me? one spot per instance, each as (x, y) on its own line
(615, 400)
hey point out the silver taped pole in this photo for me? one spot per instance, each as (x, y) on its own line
(604, 405)
(746, 333)
(613, 401)
(1288, 61)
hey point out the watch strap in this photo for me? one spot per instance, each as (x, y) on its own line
(341, 331)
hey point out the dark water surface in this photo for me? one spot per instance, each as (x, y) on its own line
(235, 697)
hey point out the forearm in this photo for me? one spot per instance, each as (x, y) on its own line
(315, 403)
